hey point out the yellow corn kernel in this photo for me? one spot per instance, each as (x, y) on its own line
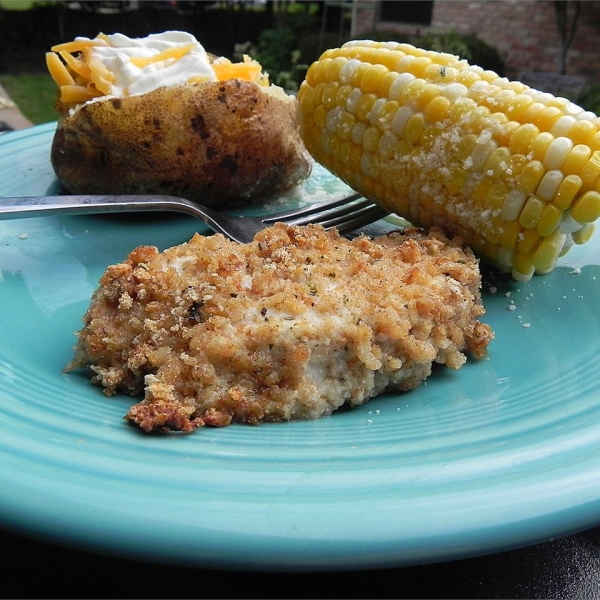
(566, 191)
(414, 129)
(386, 115)
(549, 220)
(523, 268)
(582, 132)
(576, 159)
(497, 163)
(546, 118)
(540, 145)
(437, 110)
(582, 235)
(590, 171)
(531, 175)
(330, 94)
(548, 251)
(371, 77)
(532, 211)
(523, 138)
(364, 105)
(510, 234)
(371, 139)
(527, 241)
(587, 208)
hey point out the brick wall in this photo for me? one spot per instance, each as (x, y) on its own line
(525, 32)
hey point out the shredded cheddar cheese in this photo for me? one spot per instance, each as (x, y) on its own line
(115, 65)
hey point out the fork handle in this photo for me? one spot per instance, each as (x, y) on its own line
(37, 206)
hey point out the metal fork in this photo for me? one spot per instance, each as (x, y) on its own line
(345, 214)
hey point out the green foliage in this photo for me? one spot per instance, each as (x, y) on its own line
(286, 53)
(467, 46)
(590, 98)
(34, 94)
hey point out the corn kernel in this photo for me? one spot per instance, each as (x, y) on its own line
(548, 186)
(329, 94)
(540, 145)
(437, 110)
(523, 138)
(566, 191)
(519, 106)
(513, 205)
(397, 87)
(547, 252)
(363, 106)
(348, 72)
(383, 90)
(497, 163)
(563, 126)
(594, 142)
(590, 171)
(320, 116)
(546, 118)
(386, 115)
(426, 94)
(549, 220)
(582, 132)
(414, 129)
(510, 234)
(556, 153)
(347, 148)
(532, 211)
(369, 165)
(345, 125)
(531, 175)
(358, 132)
(587, 208)
(371, 139)
(576, 159)
(399, 122)
(505, 256)
(534, 109)
(523, 268)
(527, 240)
(376, 109)
(387, 145)
(410, 92)
(481, 152)
(584, 234)
(343, 94)
(306, 100)
(418, 65)
(467, 77)
(332, 71)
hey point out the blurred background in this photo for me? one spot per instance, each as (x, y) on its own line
(550, 45)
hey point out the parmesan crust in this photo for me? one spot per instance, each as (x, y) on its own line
(290, 326)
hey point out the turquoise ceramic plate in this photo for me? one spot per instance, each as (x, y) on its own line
(502, 453)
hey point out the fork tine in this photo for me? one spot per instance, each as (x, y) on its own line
(310, 210)
(333, 214)
(351, 221)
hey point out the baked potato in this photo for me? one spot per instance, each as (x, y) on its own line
(218, 142)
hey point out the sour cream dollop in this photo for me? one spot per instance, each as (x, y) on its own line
(131, 79)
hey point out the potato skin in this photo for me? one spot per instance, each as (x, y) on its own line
(220, 144)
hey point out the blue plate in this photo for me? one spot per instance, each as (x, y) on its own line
(503, 453)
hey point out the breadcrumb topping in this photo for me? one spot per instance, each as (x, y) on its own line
(293, 325)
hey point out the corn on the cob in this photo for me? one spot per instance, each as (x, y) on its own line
(514, 171)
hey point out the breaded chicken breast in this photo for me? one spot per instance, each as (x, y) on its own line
(290, 326)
